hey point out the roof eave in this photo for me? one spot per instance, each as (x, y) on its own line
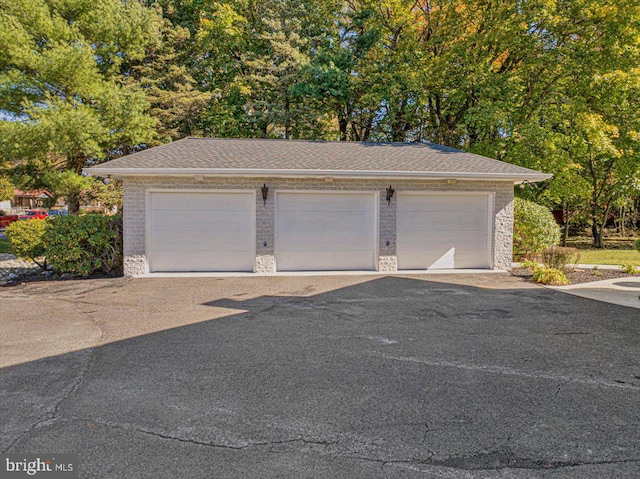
(120, 173)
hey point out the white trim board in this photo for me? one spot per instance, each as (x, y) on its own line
(120, 173)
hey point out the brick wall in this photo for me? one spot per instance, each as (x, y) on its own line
(135, 208)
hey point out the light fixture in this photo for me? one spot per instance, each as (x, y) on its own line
(265, 192)
(107, 180)
(524, 184)
(390, 192)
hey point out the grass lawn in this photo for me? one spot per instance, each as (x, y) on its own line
(616, 251)
(4, 246)
(610, 256)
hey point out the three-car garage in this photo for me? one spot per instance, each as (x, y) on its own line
(268, 205)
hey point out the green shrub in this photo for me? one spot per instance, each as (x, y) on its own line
(551, 276)
(636, 245)
(534, 229)
(630, 268)
(83, 245)
(529, 263)
(561, 258)
(26, 239)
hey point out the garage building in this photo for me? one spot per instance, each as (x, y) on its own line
(242, 205)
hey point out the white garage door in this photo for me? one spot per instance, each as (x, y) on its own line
(325, 231)
(201, 231)
(443, 231)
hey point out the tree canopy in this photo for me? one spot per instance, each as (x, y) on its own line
(547, 84)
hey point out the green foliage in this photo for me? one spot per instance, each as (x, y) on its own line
(529, 264)
(636, 245)
(26, 239)
(67, 183)
(548, 85)
(82, 245)
(6, 189)
(550, 276)
(561, 258)
(4, 246)
(534, 229)
(66, 95)
(630, 268)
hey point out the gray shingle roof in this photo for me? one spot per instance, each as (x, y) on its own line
(291, 156)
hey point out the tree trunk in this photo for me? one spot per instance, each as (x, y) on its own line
(566, 216)
(74, 204)
(565, 234)
(596, 232)
(287, 118)
(597, 227)
(343, 123)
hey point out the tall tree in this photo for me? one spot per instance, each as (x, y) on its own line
(65, 97)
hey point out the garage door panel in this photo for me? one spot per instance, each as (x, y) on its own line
(442, 221)
(329, 202)
(445, 203)
(202, 201)
(325, 231)
(321, 220)
(441, 259)
(328, 240)
(201, 261)
(430, 240)
(443, 231)
(470, 260)
(423, 259)
(201, 231)
(325, 260)
(205, 221)
(174, 240)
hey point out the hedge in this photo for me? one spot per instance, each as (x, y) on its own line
(83, 245)
(80, 245)
(534, 229)
(26, 239)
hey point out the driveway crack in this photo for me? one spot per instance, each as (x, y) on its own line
(172, 437)
(51, 414)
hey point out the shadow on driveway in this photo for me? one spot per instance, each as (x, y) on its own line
(334, 377)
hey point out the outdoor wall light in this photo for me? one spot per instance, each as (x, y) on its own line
(265, 192)
(390, 192)
(107, 180)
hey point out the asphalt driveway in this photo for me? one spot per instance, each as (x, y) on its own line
(340, 377)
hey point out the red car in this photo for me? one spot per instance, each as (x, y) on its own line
(6, 220)
(33, 215)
